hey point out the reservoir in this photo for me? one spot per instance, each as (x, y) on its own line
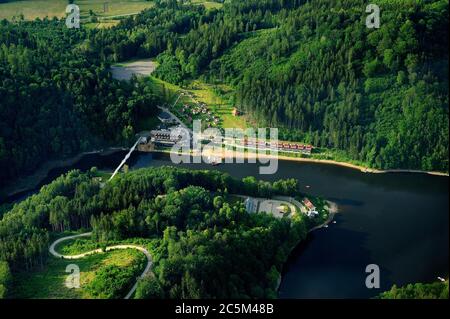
(397, 221)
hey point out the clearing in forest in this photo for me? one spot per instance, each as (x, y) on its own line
(103, 10)
(125, 71)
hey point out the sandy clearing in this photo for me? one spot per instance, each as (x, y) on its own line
(138, 68)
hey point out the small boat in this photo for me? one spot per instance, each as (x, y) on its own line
(307, 186)
(214, 161)
(325, 226)
(334, 222)
(441, 279)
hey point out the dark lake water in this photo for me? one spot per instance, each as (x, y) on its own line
(399, 222)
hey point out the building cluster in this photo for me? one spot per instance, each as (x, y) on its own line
(200, 109)
(302, 148)
(311, 210)
(281, 146)
(162, 137)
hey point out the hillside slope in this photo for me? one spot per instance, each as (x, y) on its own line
(315, 70)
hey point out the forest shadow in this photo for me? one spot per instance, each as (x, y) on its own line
(331, 263)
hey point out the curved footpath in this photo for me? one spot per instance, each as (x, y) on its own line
(142, 249)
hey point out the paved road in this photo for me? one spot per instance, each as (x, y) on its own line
(142, 249)
(292, 201)
(180, 122)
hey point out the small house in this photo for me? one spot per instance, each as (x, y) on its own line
(311, 209)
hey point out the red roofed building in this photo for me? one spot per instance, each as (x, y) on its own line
(312, 212)
(308, 203)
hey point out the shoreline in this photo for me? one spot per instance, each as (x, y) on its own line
(362, 168)
(333, 209)
(147, 269)
(321, 161)
(29, 182)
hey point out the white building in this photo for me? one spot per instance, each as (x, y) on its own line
(311, 209)
(251, 205)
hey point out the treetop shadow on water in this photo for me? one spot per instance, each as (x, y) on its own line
(397, 221)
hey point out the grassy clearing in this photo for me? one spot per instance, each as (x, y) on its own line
(166, 89)
(115, 7)
(32, 9)
(85, 244)
(208, 4)
(49, 283)
(214, 96)
(77, 246)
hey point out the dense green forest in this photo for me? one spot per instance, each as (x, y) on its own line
(436, 290)
(207, 245)
(113, 282)
(310, 67)
(5, 278)
(315, 69)
(57, 97)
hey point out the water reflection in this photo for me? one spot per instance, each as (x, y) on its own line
(397, 221)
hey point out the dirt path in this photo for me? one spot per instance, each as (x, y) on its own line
(142, 249)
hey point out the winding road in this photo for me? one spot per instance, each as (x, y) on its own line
(142, 249)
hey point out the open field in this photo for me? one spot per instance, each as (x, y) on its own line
(125, 71)
(207, 93)
(114, 7)
(32, 9)
(49, 283)
(166, 89)
(208, 4)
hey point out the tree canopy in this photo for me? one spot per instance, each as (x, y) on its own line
(436, 290)
(207, 244)
(315, 70)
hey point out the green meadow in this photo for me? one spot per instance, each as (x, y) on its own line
(49, 282)
(32, 9)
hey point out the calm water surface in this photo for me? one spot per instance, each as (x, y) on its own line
(398, 221)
